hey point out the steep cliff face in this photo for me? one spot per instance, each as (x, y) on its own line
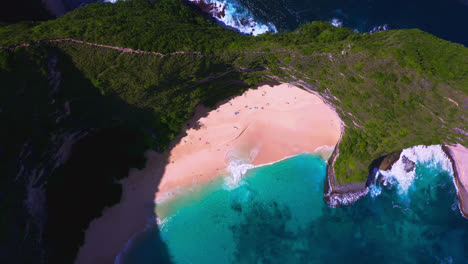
(35, 162)
(61, 158)
(78, 115)
(336, 194)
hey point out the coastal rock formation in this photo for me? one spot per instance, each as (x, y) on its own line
(214, 9)
(409, 164)
(336, 195)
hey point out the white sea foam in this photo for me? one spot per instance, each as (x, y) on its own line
(236, 16)
(239, 166)
(239, 18)
(375, 190)
(336, 22)
(347, 198)
(236, 169)
(431, 156)
(379, 28)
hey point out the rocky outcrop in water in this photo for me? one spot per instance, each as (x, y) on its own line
(409, 164)
(213, 9)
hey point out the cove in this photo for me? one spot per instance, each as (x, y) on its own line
(277, 215)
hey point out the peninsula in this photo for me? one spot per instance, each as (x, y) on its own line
(109, 106)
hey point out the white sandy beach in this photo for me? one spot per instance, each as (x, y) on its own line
(261, 126)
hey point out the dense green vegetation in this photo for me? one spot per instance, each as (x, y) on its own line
(391, 89)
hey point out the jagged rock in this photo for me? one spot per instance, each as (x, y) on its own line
(409, 164)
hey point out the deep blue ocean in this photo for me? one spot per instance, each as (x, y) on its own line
(277, 215)
(447, 19)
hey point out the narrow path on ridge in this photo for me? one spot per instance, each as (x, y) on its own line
(124, 50)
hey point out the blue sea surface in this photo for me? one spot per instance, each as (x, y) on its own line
(278, 215)
(446, 19)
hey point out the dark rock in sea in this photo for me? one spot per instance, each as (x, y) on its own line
(383, 163)
(409, 164)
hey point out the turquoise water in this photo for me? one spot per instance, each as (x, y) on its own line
(277, 215)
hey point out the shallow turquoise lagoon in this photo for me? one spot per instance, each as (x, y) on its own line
(277, 215)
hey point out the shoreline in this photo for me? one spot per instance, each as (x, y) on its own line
(272, 123)
(261, 126)
(336, 195)
(323, 154)
(140, 190)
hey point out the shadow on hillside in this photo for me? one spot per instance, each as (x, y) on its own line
(114, 138)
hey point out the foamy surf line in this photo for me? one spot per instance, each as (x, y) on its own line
(403, 171)
(238, 168)
(234, 15)
(231, 14)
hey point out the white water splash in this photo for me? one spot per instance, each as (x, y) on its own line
(379, 28)
(236, 169)
(238, 17)
(336, 22)
(235, 16)
(431, 156)
(347, 198)
(375, 190)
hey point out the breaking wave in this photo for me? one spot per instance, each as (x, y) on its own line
(234, 15)
(379, 28)
(231, 14)
(403, 172)
(336, 22)
(402, 175)
(236, 169)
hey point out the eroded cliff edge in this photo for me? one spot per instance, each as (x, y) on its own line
(336, 194)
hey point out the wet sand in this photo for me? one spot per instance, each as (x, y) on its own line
(261, 126)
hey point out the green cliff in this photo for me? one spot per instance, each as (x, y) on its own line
(392, 89)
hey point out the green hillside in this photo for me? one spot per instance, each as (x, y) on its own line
(392, 89)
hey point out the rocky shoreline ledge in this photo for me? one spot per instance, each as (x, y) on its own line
(336, 195)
